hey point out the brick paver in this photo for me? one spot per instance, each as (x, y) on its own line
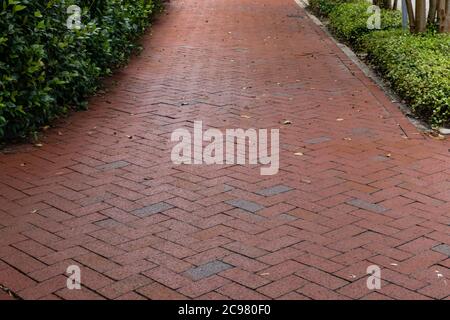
(358, 184)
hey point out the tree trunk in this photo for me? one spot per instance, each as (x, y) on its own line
(444, 16)
(383, 4)
(411, 17)
(421, 16)
(432, 11)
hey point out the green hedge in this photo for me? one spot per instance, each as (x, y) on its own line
(417, 66)
(349, 20)
(46, 69)
(325, 7)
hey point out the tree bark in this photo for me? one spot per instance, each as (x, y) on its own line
(432, 11)
(411, 17)
(444, 16)
(421, 16)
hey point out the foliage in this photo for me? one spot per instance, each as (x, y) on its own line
(325, 7)
(418, 67)
(349, 20)
(46, 69)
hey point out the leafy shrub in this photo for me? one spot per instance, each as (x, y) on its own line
(418, 67)
(325, 7)
(45, 68)
(349, 20)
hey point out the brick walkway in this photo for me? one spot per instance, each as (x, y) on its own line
(103, 194)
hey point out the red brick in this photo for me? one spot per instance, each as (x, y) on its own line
(238, 292)
(282, 286)
(156, 291)
(245, 278)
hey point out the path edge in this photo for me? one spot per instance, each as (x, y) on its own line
(390, 100)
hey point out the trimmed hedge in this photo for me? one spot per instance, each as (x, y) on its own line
(324, 7)
(47, 69)
(417, 66)
(349, 20)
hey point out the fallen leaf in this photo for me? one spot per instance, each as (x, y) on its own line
(436, 135)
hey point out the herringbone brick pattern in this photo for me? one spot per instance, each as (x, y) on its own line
(358, 185)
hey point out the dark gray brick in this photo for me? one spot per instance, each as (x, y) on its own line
(207, 270)
(273, 191)
(359, 203)
(154, 208)
(318, 140)
(442, 248)
(227, 188)
(245, 205)
(114, 165)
